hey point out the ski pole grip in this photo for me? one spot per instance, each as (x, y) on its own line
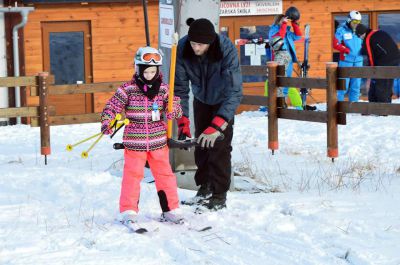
(118, 146)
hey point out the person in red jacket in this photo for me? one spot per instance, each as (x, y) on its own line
(381, 50)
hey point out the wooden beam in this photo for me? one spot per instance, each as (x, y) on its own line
(254, 70)
(384, 72)
(273, 143)
(84, 88)
(19, 112)
(75, 119)
(18, 81)
(341, 84)
(45, 148)
(302, 82)
(254, 100)
(332, 134)
(34, 90)
(303, 115)
(369, 108)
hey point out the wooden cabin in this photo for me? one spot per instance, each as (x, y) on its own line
(106, 34)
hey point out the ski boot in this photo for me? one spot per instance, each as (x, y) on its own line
(202, 196)
(173, 216)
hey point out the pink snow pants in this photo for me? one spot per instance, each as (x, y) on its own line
(165, 179)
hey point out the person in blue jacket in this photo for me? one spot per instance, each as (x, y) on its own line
(349, 45)
(396, 88)
(281, 40)
(210, 63)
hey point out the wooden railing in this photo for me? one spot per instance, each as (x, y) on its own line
(335, 114)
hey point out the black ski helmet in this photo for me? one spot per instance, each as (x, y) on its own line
(292, 13)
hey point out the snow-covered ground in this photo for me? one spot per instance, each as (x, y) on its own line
(294, 207)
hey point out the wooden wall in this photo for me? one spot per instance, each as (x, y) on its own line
(117, 31)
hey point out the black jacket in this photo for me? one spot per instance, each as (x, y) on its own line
(215, 79)
(384, 49)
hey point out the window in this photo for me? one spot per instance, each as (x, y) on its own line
(224, 31)
(67, 61)
(252, 53)
(390, 22)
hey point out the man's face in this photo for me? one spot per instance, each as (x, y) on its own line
(199, 48)
(354, 24)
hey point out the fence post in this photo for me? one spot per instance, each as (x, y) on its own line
(44, 116)
(272, 107)
(331, 108)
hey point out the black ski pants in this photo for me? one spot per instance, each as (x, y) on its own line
(380, 90)
(214, 164)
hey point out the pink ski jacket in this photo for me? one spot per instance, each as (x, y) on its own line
(142, 133)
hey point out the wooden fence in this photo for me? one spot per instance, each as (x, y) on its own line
(336, 111)
(335, 114)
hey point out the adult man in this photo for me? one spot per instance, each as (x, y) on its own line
(349, 45)
(210, 62)
(381, 50)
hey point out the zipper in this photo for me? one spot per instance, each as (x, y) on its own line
(146, 125)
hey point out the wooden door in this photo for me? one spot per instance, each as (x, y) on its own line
(67, 56)
(248, 27)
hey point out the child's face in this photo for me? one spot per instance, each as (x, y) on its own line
(150, 72)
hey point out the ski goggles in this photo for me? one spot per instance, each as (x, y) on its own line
(148, 57)
(355, 21)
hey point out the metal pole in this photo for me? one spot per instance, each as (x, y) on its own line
(3, 68)
(24, 11)
(146, 22)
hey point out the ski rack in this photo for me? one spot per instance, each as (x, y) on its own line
(305, 66)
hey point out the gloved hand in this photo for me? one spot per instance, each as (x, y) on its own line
(184, 128)
(176, 110)
(105, 127)
(209, 136)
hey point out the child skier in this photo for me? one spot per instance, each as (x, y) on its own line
(282, 43)
(144, 100)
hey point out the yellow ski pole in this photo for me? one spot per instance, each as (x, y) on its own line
(171, 82)
(71, 146)
(85, 154)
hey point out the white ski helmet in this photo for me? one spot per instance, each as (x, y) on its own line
(354, 15)
(148, 56)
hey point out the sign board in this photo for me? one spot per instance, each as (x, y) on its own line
(167, 23)
(250, 8)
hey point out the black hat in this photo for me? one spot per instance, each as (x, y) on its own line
(202, 31)
(292, 13)
(361, 29)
